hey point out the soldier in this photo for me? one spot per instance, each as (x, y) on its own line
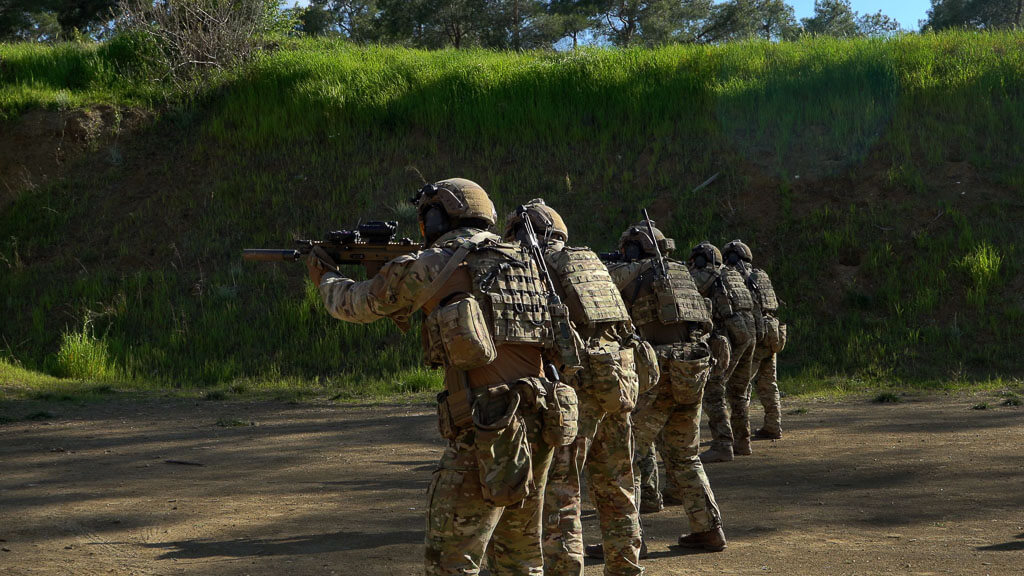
(490, 481)
(770, 336)
(669, 313)
(733, 344)
(607, 387)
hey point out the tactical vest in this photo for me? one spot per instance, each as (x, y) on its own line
(670, 300)
(587, 282)
(736, 288)
(761, 287)
(511, 294)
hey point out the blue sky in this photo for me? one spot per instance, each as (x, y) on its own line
(907, 12)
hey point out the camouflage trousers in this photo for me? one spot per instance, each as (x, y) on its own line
(763, 373)
(727, 396)
(604, 451)
(659, 412)
(460, 522)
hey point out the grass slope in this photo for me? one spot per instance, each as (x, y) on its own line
(879, 182)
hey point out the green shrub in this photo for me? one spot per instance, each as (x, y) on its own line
(982, 266)
(82, 356)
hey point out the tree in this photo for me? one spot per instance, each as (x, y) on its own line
(39, 19)
(572, 18)
(434, 23)
(743, 19)
(877, 24)
(313, 20)
(837, 18)
(832, 18)
(519, 25)
(356, 19)
(974, 14)
(653, 22)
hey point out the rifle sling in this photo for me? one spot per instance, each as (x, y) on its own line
(456, 260)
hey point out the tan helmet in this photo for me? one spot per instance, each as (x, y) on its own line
(640, 233)
(460, 198)
(708, 252)
(741, 250)
(546, 222)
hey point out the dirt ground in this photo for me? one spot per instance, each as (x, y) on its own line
(926, 486)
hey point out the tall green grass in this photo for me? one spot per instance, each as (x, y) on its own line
(829, 155)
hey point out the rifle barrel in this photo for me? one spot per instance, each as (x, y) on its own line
(271, 255)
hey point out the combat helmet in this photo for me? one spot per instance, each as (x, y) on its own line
(449, 203)
(547, 223)
(705, 253)
(735, 251)
(640, 235)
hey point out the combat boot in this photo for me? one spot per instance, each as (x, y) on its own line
(717, 454)
(651, 506)
(762, 434)
(742, 448)
(596, 551)
(712, 540)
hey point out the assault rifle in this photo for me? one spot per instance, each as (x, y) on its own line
(660, 268)
(612, 256)
(371, 244)
(565, 341)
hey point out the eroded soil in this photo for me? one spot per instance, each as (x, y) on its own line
(926, 486)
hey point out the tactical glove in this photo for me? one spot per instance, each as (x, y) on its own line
(319, 263)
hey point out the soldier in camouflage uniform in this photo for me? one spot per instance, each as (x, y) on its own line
(733, 345)
(770, 336)
(607, 388)
(490, 482)
(669, 313)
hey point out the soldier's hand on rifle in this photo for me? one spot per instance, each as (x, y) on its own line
(319, 263)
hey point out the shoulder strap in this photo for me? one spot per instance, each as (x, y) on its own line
(465, 247)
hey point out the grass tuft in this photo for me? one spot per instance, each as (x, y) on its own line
(234, 422)
(887, 398)
(39, 415)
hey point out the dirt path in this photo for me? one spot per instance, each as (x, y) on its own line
(927, 486)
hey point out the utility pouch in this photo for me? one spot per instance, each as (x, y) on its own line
(740, 328)
(689, 367)
(566, 341)
(504, 460)
(721, 351)
(721, 303)
(772, 336)
(611, 379)
(783, 334)
(668, 308)
(458, 333)
(560, 419)
(445, 423)
(648, 371)
(761, 326)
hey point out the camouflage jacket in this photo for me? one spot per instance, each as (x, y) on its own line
(398, 285)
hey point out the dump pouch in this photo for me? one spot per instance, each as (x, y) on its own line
(648, 372)
(566, 341)
(445, 422)
(560, 418)
(504, 460)
(772, 336)
(610, 378)
(689, 367)
(741, 330)
(721, 351)
(458, 333)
